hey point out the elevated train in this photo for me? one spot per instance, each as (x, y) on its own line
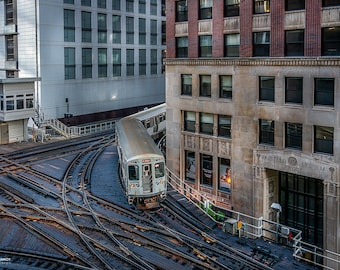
(142, 164)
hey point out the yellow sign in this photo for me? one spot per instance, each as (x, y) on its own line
(239, 224)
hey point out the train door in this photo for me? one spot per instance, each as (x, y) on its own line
(147, 178)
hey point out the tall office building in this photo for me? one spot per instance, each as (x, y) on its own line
(78, 57)
(253, 108)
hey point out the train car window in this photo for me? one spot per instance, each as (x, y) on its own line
(159, 169)
(133, 172)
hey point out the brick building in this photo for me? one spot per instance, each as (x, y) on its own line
(253, 108)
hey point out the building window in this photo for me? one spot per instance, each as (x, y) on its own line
(224, 126)
(130, 62)
(261, 6)
(206, 123)
(206, 170)
(205, 49)
(86, 28)
(86, 3)
(293, 135)
(205, 85)
(226, 83)
(10, 12)
(205, 11)
(267, 88)
(129, 5)
(261, 44)
(102, 63)
(142, 6)
(70, 63)
(293, 91)
(29, 101)
(182, 47)
(11, 47)
(232, 45)
(330, 3)
(224, 174)
(19, 102)
(142, 31)
(186, 84)
(116, 29)
(130, 30)
(330, 44)
(189, 121)
(190, 166)
(10, 103)
(86, 63)
(69, 26)
(116, 5)
(324, 91)
(266, 132)
(182, 11)
(101, 3)
(323, 139)
(153, 7)
(153, 32)
(142, 62)
(231, 8)
(102, 28)
(294, 43)
(116, 63)
(153, 61)
(163, 32)
(295, 5)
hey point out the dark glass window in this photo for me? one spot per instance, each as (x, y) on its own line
(232, 45)
(86, 28)
(293, 91)
(206, 123)
(206, 170)
(133, 172)
(101, 3)
(116, 62)
(261, 43)
(323, 139)
(224, 174)
(182, 47)
(130, 62)
(205, 9)
(186, 84)
(129, 5)
(189, 121)
(261, 6)
(267, 88)
(102, 28)
(231, 8)
(205, 85)
(86, 3)
(329, 3)
(324, 91)
(70, 63)
(293, 135)
(330, 44)
(295, 4)
(116, 5)
(266, 131)
(116, 29)
(86, 63)
(205, 49)
(226, 86)
(294, 43)
(142, 6)
(69, 25)
(181, 11)
(190, 166)
(224, 126)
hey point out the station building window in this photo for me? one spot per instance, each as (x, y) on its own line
(205, 11)
(115, 5)
(86, 63)
(116, 63)
(293, 90)
(154, 61)
(102, 62)
(182, 11)
(130, 62)
(142, 30)
(261, 44)
(190, 166)
(69, 26)
(129, 5)
(293, 135)
(267, 88)
(153, 7)
(2, 103)
(29, 101)
(261, 6)
(207, 123)
(101, 3)
(70, 63)
(10, 103)
(205, 48)
(19, 102)
(330, 41)
(102, 28)
(205, 85)
(189, 121)
(86, 3)
(86, 28)
(224, 126)
(323, 139)
(224, 175)
(142, 62)
(324, 91)
(232, 45)
(142, 6)
(186, 84)
(295, 5)
(226, 82)
(231, 8)
(266, 134)
(182, 47)
(153, 32)
(329, 3)
(206, 170)
(130, 30)
(116, 29)
(294, 43)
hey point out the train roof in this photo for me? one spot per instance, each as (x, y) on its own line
(150, 112)
(134, 139)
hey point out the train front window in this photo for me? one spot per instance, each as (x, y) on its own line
(159, 169)
(133, 172)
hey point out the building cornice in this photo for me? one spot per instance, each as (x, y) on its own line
(305, 61)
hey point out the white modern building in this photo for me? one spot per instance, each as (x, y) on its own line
(77, 57)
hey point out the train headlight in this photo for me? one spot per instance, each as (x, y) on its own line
(134, 185)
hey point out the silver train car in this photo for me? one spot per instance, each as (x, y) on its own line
(142, 164)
